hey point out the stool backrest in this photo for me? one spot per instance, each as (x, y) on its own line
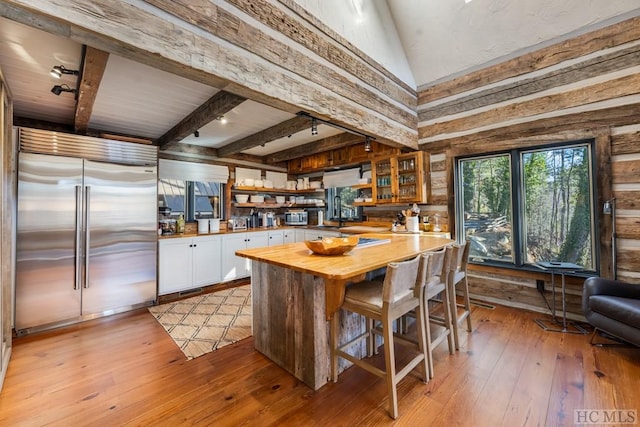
(459, 257)
(438, 266)
(401, 279)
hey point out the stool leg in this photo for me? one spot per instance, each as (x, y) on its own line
(467, 302)
(390, 362)
(453, 307)
(446, 308)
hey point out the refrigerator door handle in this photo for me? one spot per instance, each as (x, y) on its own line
(78, 239)
(87, 200)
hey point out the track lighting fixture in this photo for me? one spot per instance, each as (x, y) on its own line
(58, 89)
(58, 70)
(367, 144)
(314, 128)
(197, 134)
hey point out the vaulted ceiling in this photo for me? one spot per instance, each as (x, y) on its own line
(121, 97)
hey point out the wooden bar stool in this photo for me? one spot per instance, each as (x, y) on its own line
(400, 292)
(458, 280)
(436, 290)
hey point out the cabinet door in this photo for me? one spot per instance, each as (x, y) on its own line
(299, 235)
(234, 267)
(383, 180)
(207, 260)
(257, 239)
(276, 237)
(289, 236)
(175, 265)
(409, 177)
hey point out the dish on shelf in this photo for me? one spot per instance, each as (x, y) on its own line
(332, 245)
(280, 199)
(256, 198)
(242, 198)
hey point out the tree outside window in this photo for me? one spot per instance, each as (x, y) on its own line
(527, 206)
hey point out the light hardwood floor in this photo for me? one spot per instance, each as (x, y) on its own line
(125, 370)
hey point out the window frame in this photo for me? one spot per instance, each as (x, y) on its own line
(517, 203)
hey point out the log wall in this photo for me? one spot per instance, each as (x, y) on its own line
(585, 87)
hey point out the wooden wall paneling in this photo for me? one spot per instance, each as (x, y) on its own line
(629, 200)
(564, 125)
(606, 63)
(626, 142)
(616, 88)
(603, 183)
(626, 171)
(628, 261)
(576, 47)
(628, 227)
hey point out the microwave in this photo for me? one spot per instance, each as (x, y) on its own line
(296, 218)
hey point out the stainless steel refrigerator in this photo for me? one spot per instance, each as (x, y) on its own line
(86, 231)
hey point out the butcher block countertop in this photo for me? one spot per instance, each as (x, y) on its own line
(298, 257)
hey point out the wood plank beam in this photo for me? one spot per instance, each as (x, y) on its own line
(278, 131)
(94, 64)
(219, 104)
(325, 144)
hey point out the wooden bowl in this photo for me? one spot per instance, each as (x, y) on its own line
(332, 245)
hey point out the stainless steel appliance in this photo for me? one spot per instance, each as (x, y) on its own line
(86, 229)
(239, 223)
(299, 217)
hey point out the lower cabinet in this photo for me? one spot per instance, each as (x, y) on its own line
(319, 234)
(235, 267)
(189, 262)
(289, 236)
(276, 237)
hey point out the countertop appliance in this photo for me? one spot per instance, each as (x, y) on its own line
(296, 217)
(86, 228)
(239, 223)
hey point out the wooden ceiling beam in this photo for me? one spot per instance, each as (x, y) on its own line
(94, 64)
(218, 105)
(286, 128)
(325, 144)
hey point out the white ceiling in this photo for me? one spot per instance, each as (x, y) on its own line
(439, 38)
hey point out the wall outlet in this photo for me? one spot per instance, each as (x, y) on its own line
(540, 285)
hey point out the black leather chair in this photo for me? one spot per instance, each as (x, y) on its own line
(613, 307)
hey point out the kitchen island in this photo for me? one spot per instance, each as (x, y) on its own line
(295, 294)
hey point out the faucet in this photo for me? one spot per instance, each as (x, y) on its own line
(337, 204)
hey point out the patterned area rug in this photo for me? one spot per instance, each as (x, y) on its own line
(205, 323)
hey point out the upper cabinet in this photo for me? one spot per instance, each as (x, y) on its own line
(401, 178)
(352, 154)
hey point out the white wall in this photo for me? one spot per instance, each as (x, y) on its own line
(368, 25)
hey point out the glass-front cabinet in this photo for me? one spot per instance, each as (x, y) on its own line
(400, 179)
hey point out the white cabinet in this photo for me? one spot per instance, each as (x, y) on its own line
(289, 236)
(299, 235)
(235, 267)
(276, 237)
(207, 260)
(189, 262)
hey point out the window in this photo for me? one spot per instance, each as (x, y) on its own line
(192, 199)
(342, 198)
(529, 205)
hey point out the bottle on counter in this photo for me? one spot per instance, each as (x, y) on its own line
(180, 224)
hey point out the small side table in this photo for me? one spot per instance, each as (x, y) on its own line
(560, 268)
